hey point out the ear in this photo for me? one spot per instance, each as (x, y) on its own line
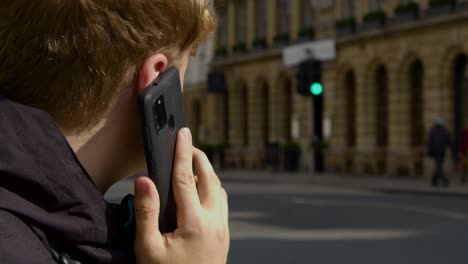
(150, 70)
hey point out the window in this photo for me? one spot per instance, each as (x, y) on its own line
(376, 5)
(282, 11)
(307, 13)
(406, 1)
(240, 21)
(260, 19)
(222, 29)
(347, 8)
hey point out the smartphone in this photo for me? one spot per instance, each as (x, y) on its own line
(162, 115)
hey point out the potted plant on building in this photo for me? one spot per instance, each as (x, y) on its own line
(306, 33)
(345, 26)
(406, 12)
(220, 153)
(374, 20)
(440, 7)
(319, 148)
(220, 52)
(215, 152)
(259, 44)
(292, 154)
(239, 48)
(281, 39)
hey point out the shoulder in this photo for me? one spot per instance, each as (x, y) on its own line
(18, 243)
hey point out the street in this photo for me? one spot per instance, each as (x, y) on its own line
(306, 223)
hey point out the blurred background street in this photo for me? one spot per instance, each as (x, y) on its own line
(339, 128)
(299, 219)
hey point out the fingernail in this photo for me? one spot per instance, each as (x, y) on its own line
(141, 188)
(187, 134)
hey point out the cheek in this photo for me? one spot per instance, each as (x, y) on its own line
(182, 71)
(182, 76)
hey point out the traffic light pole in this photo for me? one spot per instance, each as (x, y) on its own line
(317, 136)
(309, 83)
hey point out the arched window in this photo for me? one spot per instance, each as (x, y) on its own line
(416, 104)
(244, 115)
(350, 108)
(265, 98)
(460, 99)
(282, 18)
(347, 8)
(222, 28)
(288, 108)
(260, 19)
(307, 13)
(376, 5)
(241, 21)
(381, 106)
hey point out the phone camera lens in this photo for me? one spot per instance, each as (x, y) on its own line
(160, 115)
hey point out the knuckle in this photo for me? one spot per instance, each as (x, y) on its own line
(185, 178)
(144, 209)
(197, 228)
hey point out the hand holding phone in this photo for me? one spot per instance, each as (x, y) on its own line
(202, 234)
(162, 115)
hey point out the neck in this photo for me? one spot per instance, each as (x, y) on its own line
(112, 150)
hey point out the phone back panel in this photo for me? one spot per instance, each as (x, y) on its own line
(160, 147)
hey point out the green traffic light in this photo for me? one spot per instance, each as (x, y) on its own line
(316, 89)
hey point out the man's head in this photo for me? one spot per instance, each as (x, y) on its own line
(71, 57)
(439, 120)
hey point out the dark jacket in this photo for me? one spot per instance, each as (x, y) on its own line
(438, 141)
(47, 199)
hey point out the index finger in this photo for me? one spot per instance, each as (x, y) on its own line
(183, 180)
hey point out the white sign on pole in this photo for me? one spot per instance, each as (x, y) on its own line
(320, 50)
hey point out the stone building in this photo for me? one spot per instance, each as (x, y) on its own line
(399, 64)
(260, 105)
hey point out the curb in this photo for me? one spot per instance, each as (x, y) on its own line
(427, 191)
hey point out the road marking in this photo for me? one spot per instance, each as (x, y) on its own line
(250, 231)
(246, 215)
(377, 205)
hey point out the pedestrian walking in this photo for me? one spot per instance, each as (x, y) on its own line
(438, 141)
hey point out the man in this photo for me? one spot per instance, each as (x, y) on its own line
(438, 141)
(70, 75)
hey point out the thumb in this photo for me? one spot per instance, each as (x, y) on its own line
(147, 214)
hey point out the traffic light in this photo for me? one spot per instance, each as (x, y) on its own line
(316, 89)
(309, 78)
(309, 82)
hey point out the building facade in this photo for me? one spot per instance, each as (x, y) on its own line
(399, 65)
(260, 106)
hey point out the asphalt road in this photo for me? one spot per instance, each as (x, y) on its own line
(287, 223)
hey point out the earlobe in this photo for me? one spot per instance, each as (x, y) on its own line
(150, 70)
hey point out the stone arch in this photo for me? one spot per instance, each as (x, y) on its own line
(445, 87)
(283, 106)
(262, 111)
(376, 103)
(410, 91)
(346, 106)
(196, 110)
(380, 87)
(238, 108)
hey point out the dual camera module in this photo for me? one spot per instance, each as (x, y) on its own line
(163, 123)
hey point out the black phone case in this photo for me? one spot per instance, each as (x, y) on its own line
(159, 148)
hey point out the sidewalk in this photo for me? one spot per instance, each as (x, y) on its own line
(378, 183)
